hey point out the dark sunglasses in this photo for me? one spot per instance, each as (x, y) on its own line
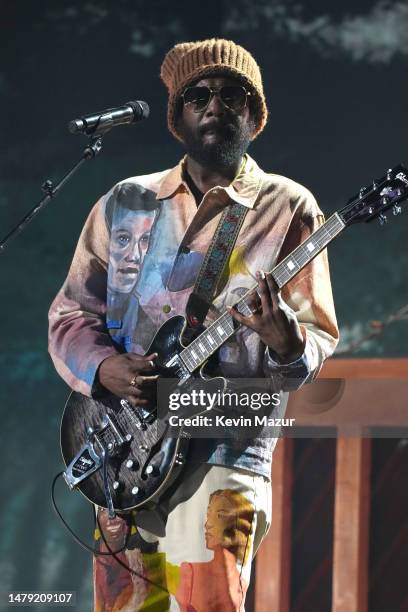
(233, 97)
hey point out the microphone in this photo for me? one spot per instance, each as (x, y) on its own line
(97, 123)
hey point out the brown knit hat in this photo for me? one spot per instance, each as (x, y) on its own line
(190, 61)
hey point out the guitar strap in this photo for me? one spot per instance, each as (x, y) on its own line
(214, 263)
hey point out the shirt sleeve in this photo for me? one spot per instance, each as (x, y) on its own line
(309, 296)
(78, 337)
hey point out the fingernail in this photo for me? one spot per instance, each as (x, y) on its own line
(261, 274)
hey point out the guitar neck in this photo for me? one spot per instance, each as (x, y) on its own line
(216, 334)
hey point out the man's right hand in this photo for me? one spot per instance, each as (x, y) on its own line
(129, 376)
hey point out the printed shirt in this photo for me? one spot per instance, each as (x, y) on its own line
(135, 265)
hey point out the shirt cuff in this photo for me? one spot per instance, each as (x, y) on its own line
(299, 368)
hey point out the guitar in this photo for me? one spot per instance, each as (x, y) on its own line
(119, 456)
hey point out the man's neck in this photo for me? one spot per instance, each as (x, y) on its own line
(205, 178)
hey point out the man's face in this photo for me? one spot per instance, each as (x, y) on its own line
(129, 242)
(216, 135)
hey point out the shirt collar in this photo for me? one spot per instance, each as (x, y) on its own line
(244, 189)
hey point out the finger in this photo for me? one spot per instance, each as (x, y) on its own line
(263, 289)
(273, 289)
(151, 357)
(140, 380)
(254, 302)
(144, 361)
(247, 321)
(134, 391)
(137, 401)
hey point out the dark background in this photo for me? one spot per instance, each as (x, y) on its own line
(335, 81)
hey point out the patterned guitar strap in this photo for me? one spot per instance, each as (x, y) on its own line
(214, 264)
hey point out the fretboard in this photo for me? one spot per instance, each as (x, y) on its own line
(200, 349)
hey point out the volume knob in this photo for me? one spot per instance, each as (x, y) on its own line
(152, 470)
(129, 463)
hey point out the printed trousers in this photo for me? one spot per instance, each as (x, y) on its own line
(193, 552)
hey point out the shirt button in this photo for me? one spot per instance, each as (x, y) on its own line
(166, 308)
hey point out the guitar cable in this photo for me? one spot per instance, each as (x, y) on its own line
(95, 552)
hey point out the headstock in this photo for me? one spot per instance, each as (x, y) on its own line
(374, 200)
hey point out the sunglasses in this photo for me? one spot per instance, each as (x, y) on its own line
(233, 97)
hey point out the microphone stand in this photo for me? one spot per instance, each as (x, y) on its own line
(92, 149)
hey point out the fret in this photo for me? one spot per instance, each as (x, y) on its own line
(207, 345)
(220, 329)
(218, 339)
(327, 237)
(311, 247)
(187, 359)
(244, 309)
(216, 334)
(228, 323)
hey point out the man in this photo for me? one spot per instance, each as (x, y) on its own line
(216, 107)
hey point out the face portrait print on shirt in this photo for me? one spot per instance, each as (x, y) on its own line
(129, 243)
(131, 215)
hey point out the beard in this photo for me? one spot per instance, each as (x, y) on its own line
(227, 149)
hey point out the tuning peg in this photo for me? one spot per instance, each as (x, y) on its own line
(390, 174)
(382, 219)
(385, 200)
(396, 210)
(362, 192)
(375, 186)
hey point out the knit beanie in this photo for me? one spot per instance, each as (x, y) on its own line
(192, 61)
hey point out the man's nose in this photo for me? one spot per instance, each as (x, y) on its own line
(215, 105)
(133, 254)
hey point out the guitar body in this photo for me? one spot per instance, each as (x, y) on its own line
(143, 460)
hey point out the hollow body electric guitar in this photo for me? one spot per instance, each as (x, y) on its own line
(119, 456)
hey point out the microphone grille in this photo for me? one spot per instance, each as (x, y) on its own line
(140, 108)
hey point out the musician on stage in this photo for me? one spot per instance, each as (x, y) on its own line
(194, 550)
